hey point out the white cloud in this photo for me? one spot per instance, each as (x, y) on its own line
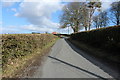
(106, 4)
(10, 29)
(14, 9)
(39, 13)
(1, 26)
(110, 0)
(37, 28)
(65, 30)
(1, 22)
(11, 0)
(7, 4)
(26, 28)
(32, 28)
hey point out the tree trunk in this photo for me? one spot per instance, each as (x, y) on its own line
(85, 28)
(75, 30)
(118, 22)
(89, 25)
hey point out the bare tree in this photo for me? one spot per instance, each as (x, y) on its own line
(92, 7)
(101, 20)
(96, 21)
(75, 15)
(85, 15)
(115, 13)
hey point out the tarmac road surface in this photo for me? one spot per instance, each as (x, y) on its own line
(64, 62)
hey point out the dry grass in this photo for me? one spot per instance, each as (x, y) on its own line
(18, 49)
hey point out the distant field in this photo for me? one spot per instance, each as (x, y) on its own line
(18, 48)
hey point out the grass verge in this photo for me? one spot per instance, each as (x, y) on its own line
(16, 67)
(111, 60)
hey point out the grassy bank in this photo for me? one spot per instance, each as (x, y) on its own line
(19, 50)
(103, 43)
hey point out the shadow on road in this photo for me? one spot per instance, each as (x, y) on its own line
(94, 60)
(78, 68)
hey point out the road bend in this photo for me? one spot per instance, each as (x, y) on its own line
(64, 62)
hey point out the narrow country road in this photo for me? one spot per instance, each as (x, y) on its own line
(64, 62)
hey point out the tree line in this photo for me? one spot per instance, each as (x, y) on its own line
(79, 15)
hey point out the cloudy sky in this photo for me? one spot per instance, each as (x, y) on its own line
(26, 16)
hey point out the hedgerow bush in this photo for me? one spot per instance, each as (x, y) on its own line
(104, 38)
(18, 45)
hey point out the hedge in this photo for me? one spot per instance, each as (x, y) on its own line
(18, 45)
(104, 38)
